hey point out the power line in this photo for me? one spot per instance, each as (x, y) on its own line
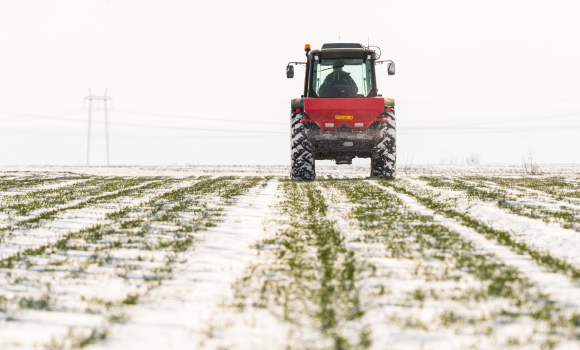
(219, 99)
(199, 129)
(573, 114)
(495, 131)
(118, 136)
(26, 116)
(77, 111)
(172, 127)
(202, 118)
(486, 102)
(473, 128)
(401, 129)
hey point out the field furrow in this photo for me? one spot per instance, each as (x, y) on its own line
(31, 207)
(20, 185)
(559, 287)
(68, 292)
(53, 223)
(558, 186)
(306, 275)
(195, 309)
(341, 263)
(348, 267)
(442, 288)
(549, 245)
(550, 207)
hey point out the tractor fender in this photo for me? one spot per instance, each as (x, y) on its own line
(389, 102)
(297, 103)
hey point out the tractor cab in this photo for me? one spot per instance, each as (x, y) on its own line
(339, 71)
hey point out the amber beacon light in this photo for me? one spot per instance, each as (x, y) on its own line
(307, 47)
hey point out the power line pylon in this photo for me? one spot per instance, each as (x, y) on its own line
(105, 98)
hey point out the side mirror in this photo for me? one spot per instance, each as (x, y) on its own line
(289, 72)
(391, 68)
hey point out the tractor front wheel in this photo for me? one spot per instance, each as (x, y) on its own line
(301, 150)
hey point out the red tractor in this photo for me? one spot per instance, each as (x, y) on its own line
(341, 116)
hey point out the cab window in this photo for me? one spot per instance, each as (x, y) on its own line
(342, 77)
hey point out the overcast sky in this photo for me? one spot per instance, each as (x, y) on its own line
(493, 78)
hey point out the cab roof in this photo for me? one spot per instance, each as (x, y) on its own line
(342, 50)
(341, 46)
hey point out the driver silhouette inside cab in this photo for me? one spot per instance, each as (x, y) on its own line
(338, 83)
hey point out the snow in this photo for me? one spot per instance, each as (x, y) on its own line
(280, 170)
(559, 287)
(194, 309)
(60, 184)
(72, 220)
(550, 237)
(182, 313)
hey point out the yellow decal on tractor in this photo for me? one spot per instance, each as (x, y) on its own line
(343, 117)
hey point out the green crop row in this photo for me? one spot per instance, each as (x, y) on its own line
(94, 197)
(432, 201)
(30, 182)
(312, 279)
(24, 204)
(566, 217)
(316, 277)
(409, 235)
(140, 246)
(557, 186)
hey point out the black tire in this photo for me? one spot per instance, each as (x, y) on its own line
(384, 153)
(301, 151)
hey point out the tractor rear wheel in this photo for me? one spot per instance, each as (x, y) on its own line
(302, 157)
(384, 153)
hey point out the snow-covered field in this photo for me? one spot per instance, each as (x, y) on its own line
(238, 257)
(281, 170)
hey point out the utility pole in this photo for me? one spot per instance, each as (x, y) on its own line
(90, 97)
(105, 98)
(106, 124)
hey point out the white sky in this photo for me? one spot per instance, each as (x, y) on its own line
(492, 78)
